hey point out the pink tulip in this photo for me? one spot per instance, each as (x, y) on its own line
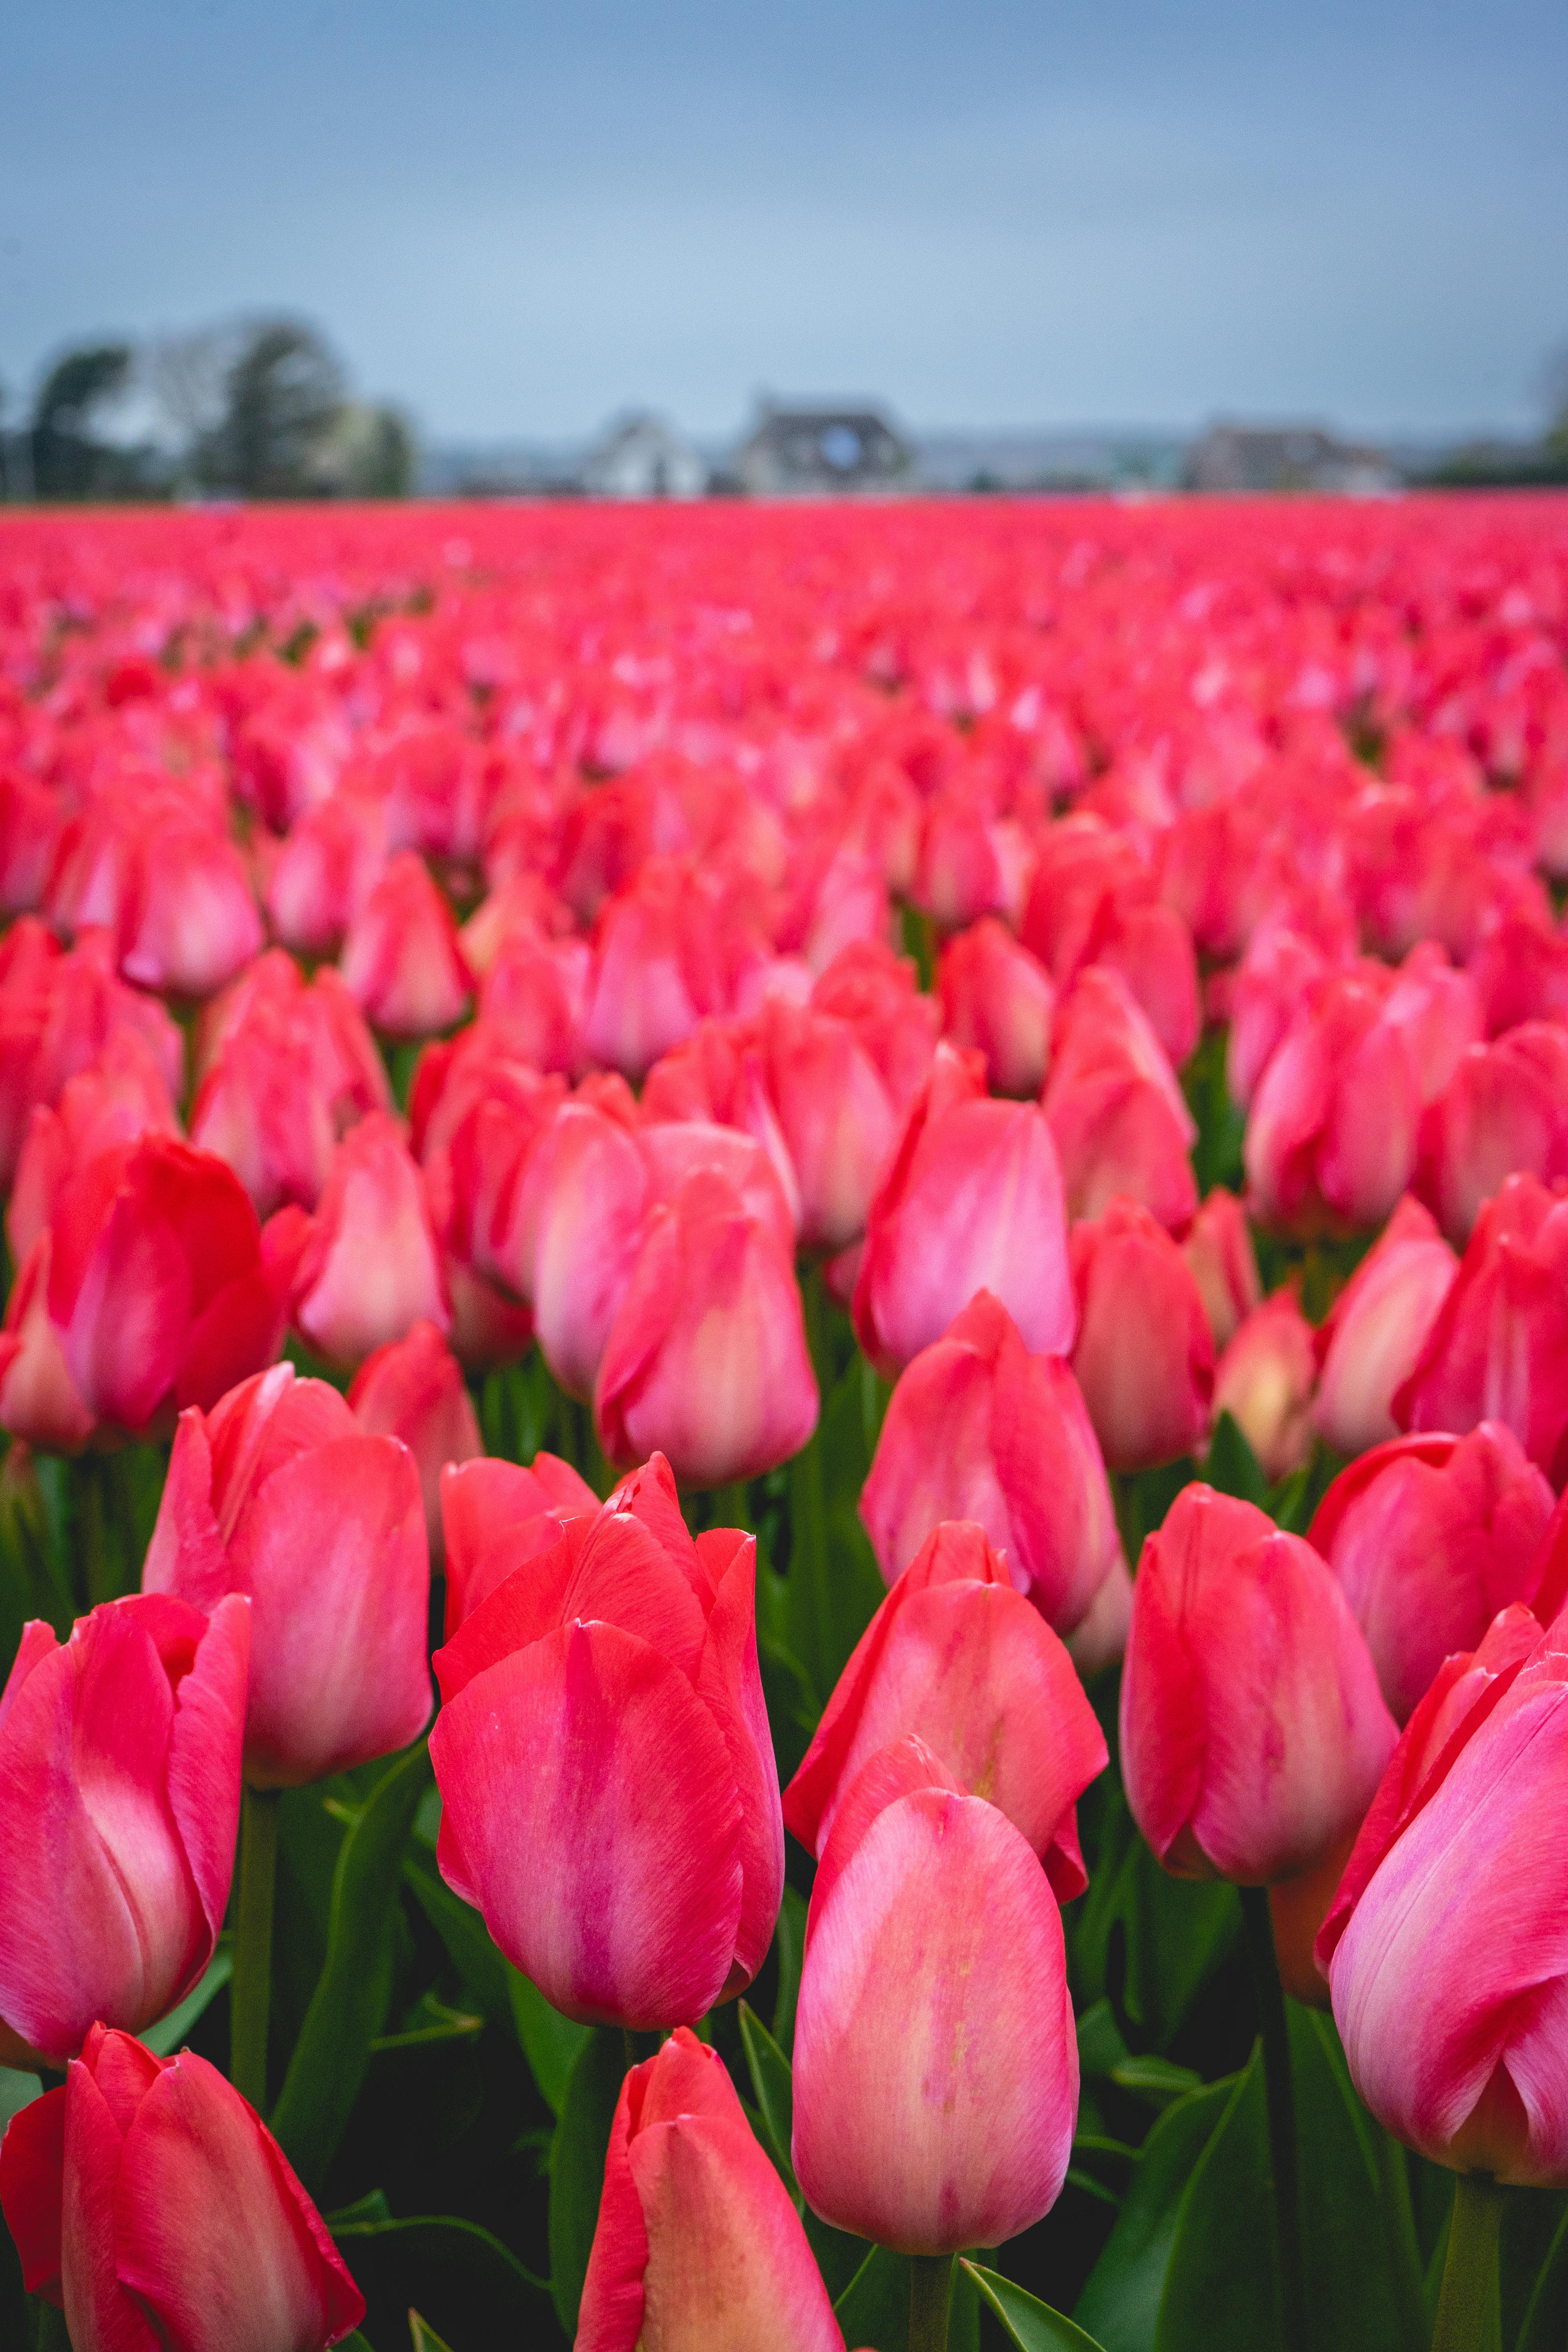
(718, 1077)
(979, 1429)
(1331, 1135)
(277, 1493)
(325, 871)
(120, 1762)
(1444, 1949)
(1219, 1249)
(1504, 1113)
(478, 1116)
(1276, 975)
(603, 1736)
(370, 1269)
(1145, 1356)
(935, 2054)
(955, 1654)
(151, 2205)
(58, 1014)
(998, 999)
(1430, 1537)
(186, 919)
(535, 996)
(1253, 1731)
(878, 994)
(1264, 1381)
(1373, 1335)
(836, 1118)
(401, 962)
(580, 1226)
(495, 1515)
(412, 1389)
(119, 1097)
(1149, 949)
(697, 2243)
(972, 1200)
(1116, 1113)
(1498, 1347)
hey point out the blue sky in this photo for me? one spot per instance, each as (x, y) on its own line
(517, 219)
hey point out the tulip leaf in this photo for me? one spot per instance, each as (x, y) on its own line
(790, 1937)
(1232, 1468)
(170, 2032)
(1032, 2325)
(345, 2012)
(577, 2166)
(773, 2085)
(477, 2289)
(1545, 2327)
(1219, 2286)
(423, 2335)
(462, 1931)
(17, 2090)
(1121, 2301)
(1153, 1943)
(551, 2043)
(873, 2310)
(1155, 2079)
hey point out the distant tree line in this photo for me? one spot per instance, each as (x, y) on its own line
(258, 409)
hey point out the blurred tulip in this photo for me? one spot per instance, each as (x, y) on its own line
(580, 1226)
(998, 999)
(1144, 1356)
(956, 1656)
(697, 2241)
(412, 1389)
(57, 1013)
(1331, 1134)
(836, 1118)
(1219, 1249)
(1264, 1381)
(324, 874)
(979, 1429)
(935, 2055)
(370, 1269)
(120, 1096)
(1253, 1731)
(1430, 1537)
(1373, 1336)
(496, 1514)
(603, 1727)
(1504, 1113)
(972, 1200)
(1100, 1642)
(151, 2205)
(535, 996)
(120, 1765)
(479, 1116)
(1119, 1123)
(401, 962)
(878, 994)
(277, 1493)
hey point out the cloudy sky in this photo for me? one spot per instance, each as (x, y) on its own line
(516, 219)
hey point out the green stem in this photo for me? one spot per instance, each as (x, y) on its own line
(1281, 2114)
(1470, 2311)
(808, 1501)
(730, 1507)
(250, 1988)
(1399, 2222)
(931, 2287)
(638, 2047)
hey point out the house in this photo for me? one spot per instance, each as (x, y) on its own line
(823, 452)
(641, 456)
(1262, 458)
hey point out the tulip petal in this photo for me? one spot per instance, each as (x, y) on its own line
(206, 1746)
(610, 2316)
(31, 2169)
(728, 1682)
(99, 2312)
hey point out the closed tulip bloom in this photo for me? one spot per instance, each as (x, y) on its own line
(150, 2204)
(698, 2247)
(935, 2054)
(1219, 1249)
(1498, 1346)
(878, 993)
(279, 1494)
(370, 1269)
(186, 919)
(1144, 1356)
(979, 1429)
(119, 1097)
(1120, 1125)
(706, 1361)
(120, 1762)
(1264, 1381)
(972, 1200)
(412, 1388)
(1444, 1948)
(1430, 1537)
(325, 871)
(1253, 1730)
(837, 1116)
(402, 961)
(956, 1656)
(58, 1012)
(609, 1798)
(1331, 1135)
(998, 999)
(1373, 1335)
(580, 1215)
(496, 1515)
(1504, 1113)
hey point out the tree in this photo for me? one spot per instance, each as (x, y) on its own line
(283, 392)
(68, 462)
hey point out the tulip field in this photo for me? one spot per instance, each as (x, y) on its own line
(783, 1391)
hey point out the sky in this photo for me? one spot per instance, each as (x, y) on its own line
(516, 220)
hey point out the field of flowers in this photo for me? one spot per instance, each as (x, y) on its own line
(913, 1156)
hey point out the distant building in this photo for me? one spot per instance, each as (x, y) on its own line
(1267, 457)
(641, 456)
(822, 453)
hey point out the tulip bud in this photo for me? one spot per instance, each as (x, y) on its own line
(401, 962)
(412, 1389)
(1504, 1113)
(836, 1118)
(370, 1269)
(1430, 1537)
(279, 1494)
(580, 1226)
(997, 999)
(325, 871)
(1219, 1249)
(57, 1013)
(972, 1200)
(117, 1098)
(1331, 1135)
(150, 2204)
(935, 2054)
(1373, 1337)
(1144, 1358)
(496, 1514)
(1264, 1381)
(697, 2243)
(1116, 1113)
(1253, 1731)
(119, 1767)
(979, 1429)
(603, 1726)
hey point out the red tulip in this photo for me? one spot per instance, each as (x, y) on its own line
(1115, 1110)
(972, 1200)
(535, 996)
(1331, 1135)
(878, 994)
(955, 1654)
(1430, 1537)
(120, 1762)
(718, 1077)
(1264, 1381)
(324, 874)
(935, 2055)
(173, 892)
(1504, 1113)
(610, 1800)
(479, 1116)
(1373, 1335)
(697, 2243)
(58, 1014)
(370, 1269)
(119, 1097)
(1253, 1731)
(998, 999)
(837, 1116)
(401, 962)
(979, 1429)
(1145, 1356)
(152, 2205)
(580, 1226)
(1219, 1249)
(279, 1494)
(412, 1389)
(495, 1515)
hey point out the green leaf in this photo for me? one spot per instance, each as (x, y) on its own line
(1232, 1468)
(478, 1964)
(874, 2309)
(477, 2289)
(1100, 2043)
(790, 1936)
(1155, 2079)
(170, 2032)
(577, 2166)
(775, 2088)
(1153, 1941)
(1120, 2303)
(1545, 2327)
(17, 2090)
(357, 2342)
(346, 2009)
(423, 2335)
(551, 2043)
(1364, 2282)
(1219, 2282)
(1032, 2325)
